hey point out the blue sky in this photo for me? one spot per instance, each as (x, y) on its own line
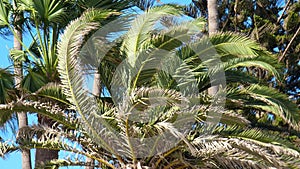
(13, 160)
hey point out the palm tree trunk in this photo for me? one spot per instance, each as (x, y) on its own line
(213, 26)
(96, 92)
(213, 19)
(42, 156)
(22, 116)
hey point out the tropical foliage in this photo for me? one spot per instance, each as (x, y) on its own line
(157, 75)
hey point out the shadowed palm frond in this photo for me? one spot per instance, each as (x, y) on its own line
(54, 138)
(52, 91)
(6, 84)
(49, 110)
(265, 154)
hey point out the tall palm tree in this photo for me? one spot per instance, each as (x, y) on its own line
(213, 27)
(16, 28)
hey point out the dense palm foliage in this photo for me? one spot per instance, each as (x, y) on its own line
(43, 21)
(232, 144)
(274, 24)
(157, 76)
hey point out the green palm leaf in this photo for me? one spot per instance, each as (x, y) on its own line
(4, 12)
(72, 78)
(6, 84)
(140, 30)
(268, 100)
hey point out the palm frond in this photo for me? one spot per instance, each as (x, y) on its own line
(235, 45)
(138, 34)
(4, 12)
(49, 11)
(266, 155)
(258, 62)
(47, 109)
(232, 117)
(53, 138)
(269, 100)
(6, 84)
(33, 80)
(260, 136)
(72, 81)
(52, 91)
(6, 148)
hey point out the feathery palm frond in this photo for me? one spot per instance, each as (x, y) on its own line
(47, 109)
(54, 138)
(6, 148)
(268, 100)
(138, 34)
(244, 150)
(72, 78)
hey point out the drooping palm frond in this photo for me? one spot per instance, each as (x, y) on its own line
(47, 109)
(257, 62)
(259, 135)
(268, 100)
(177, 33)
(247, 153)
(55, 138)
(236, 76)
(6, 96)
(72, 80)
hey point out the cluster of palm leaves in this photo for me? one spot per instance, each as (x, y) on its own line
(159, 114)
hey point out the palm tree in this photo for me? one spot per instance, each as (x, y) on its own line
(232, 144)
(16, 28)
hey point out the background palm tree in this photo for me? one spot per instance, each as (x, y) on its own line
(274, 24)
(213, 27)
(16, 27)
